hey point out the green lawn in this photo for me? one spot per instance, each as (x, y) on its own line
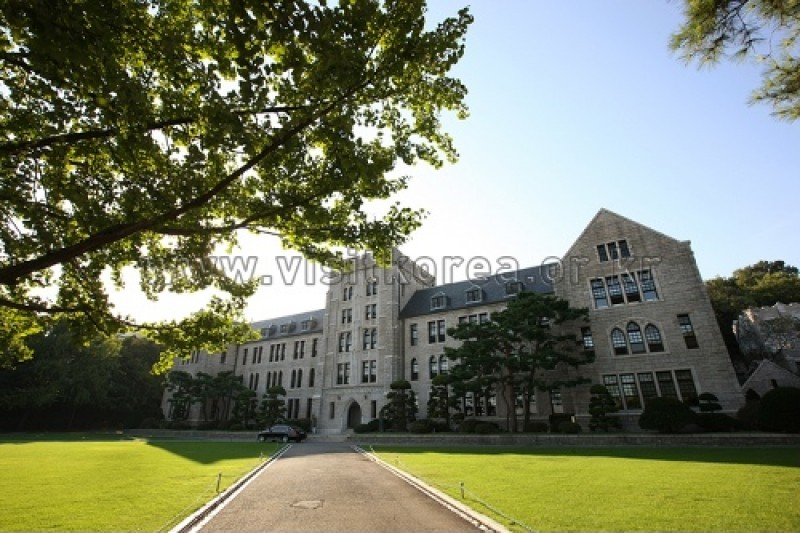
(101, 483)
(618, 489)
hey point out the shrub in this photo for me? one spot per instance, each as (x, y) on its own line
(557, 418)
(717, 422)
(536, 427)
(709, 403)
(304, 423)
(151, 423)
(569, 426)
(468, 425)
(780, 410)
(179, 424)
(666, 415)
(748, 414)
(370, 427)
(601, 405)
(439, 426)
(486, 428)
(421, 426)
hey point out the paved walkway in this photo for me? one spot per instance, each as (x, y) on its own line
(328, 487)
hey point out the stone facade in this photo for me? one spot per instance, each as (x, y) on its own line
(651, 327)
(651, 319)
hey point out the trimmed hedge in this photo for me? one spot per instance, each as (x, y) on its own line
(569, 427)
(304, 423)
(486, 428)
(717, 422)
(468, 425)
(780, 410)
(421, 426)
(747, 415)
(536, 427)
(557, 418)
(370, 427)
(666, 415)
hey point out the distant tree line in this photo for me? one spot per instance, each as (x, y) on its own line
(105, 384)
(223, 402)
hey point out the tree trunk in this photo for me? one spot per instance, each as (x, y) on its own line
(71, 417)
(526, 405)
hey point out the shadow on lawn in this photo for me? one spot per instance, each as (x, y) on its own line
(208, 452)
(24, 438)
(772, 456)
(205, 452)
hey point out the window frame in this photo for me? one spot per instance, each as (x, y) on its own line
(444, 364)
(438, 301)
(599, 293)
(687, 331)
(619, 342)
(473, 295)
(635, 338)
(655, 343)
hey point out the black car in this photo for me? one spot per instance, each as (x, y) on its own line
(283, 433)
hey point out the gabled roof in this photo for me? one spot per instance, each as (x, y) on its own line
(292, 325)
(604, 213)
(767, 369)
(493, 290)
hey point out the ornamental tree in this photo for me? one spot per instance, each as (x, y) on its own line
(601, 404)
(439, 400)
(155, 133)
(529, 345)
(273, 406)
(402, 406)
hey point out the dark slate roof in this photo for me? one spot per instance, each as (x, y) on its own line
(493, 289)
(289, 326)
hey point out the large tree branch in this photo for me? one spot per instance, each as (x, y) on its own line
(40, 308)
(15, 147)
(245, 223)
(9, 275)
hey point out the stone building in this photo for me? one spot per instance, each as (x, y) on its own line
(651, 327)
(771, 332)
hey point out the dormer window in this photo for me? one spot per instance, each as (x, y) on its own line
(284, 328)
(474, 295)
(265, 332)
(438, 301)
(305, 325)
(513, 287)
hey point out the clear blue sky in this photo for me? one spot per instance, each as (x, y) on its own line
(581, 105)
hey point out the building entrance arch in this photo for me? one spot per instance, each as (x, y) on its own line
(353, 415)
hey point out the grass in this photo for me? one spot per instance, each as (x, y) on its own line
(107, 483)
(618, 489)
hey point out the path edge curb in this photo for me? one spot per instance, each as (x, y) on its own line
(482, 521)
(190, 522)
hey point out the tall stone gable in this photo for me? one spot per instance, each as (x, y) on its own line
(363, 333)
(660, 286)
